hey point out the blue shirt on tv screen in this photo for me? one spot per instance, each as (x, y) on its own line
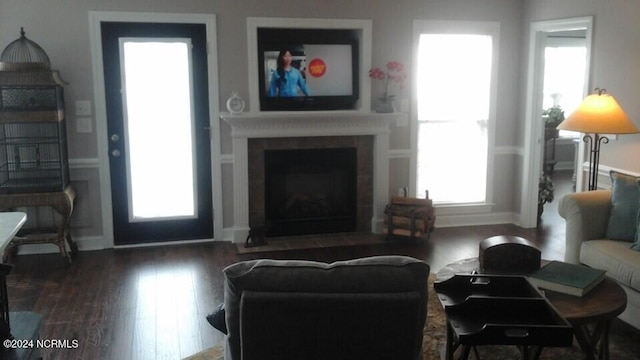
(293, 80)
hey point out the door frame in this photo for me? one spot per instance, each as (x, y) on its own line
(96, 18)
(533, 129)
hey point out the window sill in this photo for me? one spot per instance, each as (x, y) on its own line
(460, 209)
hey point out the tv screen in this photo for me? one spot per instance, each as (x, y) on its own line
(307, 69)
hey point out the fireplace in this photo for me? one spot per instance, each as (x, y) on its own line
(255, 133)
(310, 191)
(311, 174)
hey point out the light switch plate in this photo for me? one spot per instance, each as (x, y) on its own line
(84, 124)
(83, 108)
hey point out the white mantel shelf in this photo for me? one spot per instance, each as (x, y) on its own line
(319, 123)
(246, 126)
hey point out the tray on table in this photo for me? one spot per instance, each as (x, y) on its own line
(501, 310)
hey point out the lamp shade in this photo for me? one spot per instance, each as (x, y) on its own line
(599, 114)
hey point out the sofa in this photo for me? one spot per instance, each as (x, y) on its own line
(595, 236)
(366, 308)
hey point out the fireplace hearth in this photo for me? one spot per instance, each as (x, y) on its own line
(310, 191)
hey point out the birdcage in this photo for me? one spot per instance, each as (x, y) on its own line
(33, 137)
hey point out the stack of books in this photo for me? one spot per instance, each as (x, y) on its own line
(571, 279)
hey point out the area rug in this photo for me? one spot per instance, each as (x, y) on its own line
(624, 341)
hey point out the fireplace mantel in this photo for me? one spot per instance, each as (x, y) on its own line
(302, 124)
(323, 123)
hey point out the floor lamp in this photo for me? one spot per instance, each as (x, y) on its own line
(598, 114)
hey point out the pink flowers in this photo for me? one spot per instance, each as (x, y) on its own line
(395, 65)
(394, 73)
(376, 73)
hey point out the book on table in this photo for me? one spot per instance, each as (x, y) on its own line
(566, 278)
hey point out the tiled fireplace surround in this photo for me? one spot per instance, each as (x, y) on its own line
(254, 133)
(364, 172)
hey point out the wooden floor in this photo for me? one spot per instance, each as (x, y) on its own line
(150, 303)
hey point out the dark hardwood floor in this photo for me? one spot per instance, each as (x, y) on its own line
(151, 302)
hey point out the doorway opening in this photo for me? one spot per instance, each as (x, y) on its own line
(562, 92)
(542, 35)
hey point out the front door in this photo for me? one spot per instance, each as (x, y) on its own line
(158, 119)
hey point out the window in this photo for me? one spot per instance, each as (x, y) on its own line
(159, 138)
(454, 114)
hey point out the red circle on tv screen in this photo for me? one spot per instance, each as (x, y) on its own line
(317, 67)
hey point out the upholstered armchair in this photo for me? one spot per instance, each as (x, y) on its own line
(600, 233)
(368, 308)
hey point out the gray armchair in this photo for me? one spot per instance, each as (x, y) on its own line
(368, 308)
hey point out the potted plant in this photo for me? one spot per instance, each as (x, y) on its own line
(394, 73)
(545, 192)
(553, 116)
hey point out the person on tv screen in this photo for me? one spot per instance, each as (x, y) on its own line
(286, 80)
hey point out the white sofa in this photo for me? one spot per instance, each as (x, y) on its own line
(587, 215)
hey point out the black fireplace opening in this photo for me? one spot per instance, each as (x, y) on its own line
(310, 191)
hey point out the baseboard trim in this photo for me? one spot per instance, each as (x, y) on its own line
(443, 221)
(84, 243)
(93, 243)
(475, 219)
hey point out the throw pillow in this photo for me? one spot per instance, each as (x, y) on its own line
(216, 319)
(636, 245)
(625, 201)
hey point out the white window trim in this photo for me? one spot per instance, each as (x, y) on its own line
(491, 28)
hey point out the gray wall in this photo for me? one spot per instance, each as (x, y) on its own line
(61, 28)
(615, 62)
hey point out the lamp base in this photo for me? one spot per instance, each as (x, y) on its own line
(594, 157)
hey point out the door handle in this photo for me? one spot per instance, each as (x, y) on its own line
(115, 138)
(115, 153)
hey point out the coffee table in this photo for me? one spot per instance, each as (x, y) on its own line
(590, 316)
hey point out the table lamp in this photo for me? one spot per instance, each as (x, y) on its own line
(598, 114)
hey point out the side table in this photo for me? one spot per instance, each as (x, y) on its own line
(62, 202)
(590, 315)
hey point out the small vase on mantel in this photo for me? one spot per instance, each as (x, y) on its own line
(385, 106)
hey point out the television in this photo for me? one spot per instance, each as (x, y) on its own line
(322, 70)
